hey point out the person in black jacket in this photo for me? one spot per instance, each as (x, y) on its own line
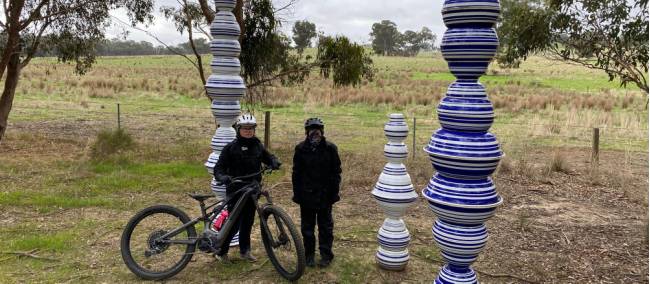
(243, 156)
(316, 179)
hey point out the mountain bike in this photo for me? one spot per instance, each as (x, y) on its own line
(159, 241)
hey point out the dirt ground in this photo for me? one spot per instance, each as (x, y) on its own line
(578, 226)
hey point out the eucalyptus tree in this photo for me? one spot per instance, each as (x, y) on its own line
(607, 35)
(70, 28)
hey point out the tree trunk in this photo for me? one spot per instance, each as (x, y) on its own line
(239, 15)
(7, 99)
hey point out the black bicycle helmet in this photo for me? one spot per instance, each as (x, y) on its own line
(314, 123)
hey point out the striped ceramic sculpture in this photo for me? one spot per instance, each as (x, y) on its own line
(225, 87)
(394, 193)
(464, 154)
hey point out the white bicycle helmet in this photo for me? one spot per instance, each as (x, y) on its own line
(246, 119)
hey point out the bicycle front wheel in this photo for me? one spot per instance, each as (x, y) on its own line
(146, 254)
(283, 243)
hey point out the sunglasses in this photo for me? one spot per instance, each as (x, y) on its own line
(247, 128)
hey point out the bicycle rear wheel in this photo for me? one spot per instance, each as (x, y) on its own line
(143, 252)
(284, 244)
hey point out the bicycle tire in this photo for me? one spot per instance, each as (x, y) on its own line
(125, 243)
(294, 236)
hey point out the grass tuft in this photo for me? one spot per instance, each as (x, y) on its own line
(109, 142)
(558, 163)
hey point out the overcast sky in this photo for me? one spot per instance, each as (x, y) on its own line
(334, 17)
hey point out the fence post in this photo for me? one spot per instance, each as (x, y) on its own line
(267, 130)
(414, 128)
(119, 122)
(595, 145)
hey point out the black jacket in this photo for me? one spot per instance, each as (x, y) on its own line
(242, 157)
(316, 174)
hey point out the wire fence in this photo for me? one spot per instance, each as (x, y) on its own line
(164, 122)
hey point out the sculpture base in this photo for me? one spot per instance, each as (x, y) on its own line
(450, 274)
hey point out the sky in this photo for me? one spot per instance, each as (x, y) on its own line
(353, 19)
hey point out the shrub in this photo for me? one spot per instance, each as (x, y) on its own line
(109, 142)
(558, 163)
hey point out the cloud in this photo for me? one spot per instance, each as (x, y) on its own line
(353, 19)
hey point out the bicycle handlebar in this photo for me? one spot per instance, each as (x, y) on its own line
(241, 178)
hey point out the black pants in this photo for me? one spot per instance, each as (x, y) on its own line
(308, 218)
(244, 225)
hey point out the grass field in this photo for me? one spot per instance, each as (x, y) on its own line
(62, 209)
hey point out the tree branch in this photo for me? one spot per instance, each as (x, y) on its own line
(207, 12)
(173, 50)
(35, 44)
(199, 64)
(289, 4)
(34, 14)
(59, 12)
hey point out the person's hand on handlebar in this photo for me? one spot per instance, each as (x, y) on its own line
(275, 164)
(225, 179)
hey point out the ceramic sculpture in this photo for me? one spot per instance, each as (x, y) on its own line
(464, 154)
(225, 87)
(394, 193)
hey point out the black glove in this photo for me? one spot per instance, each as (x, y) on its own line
(275, 164)
(225, 179)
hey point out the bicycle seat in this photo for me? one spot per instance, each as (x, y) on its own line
(200, 197)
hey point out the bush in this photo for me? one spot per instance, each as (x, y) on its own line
(109, 142)
(558, 163)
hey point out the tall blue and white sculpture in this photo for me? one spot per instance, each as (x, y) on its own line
(394, 193)
(464, 154)
(225, 87)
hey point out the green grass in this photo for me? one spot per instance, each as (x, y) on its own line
(45, 202)
(572, 83)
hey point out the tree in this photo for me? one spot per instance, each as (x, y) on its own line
(388, 41)
(385, 38)
(347, 61)
(72, 28)
(303, 33)
(265, 56)
(187, 18)
(611, 35)
(412, 42)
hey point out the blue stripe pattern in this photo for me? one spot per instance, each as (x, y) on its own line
(394, 193)
(462, 13)
(464, 154)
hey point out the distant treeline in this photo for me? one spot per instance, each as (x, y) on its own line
(117, 47)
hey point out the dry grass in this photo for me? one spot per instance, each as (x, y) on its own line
(558, 163)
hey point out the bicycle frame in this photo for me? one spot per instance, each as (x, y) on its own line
(252, 191)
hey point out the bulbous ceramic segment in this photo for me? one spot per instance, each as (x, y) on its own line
(225, 66)
(235, 240)
(225, 26)
(222, 137)
(225, 87)
(450, 274)
(456, 192)
(396, 129)
(464, 155)
(219, 190)
(212, 160)
(392, 260)
(225, 112)
(225, 5)
(225, 47)
(475, 13)
(466, 108)
(393, 235)
(468, 51)
(396, 152)
(470, 215)
(460, 244)
(394, 190)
